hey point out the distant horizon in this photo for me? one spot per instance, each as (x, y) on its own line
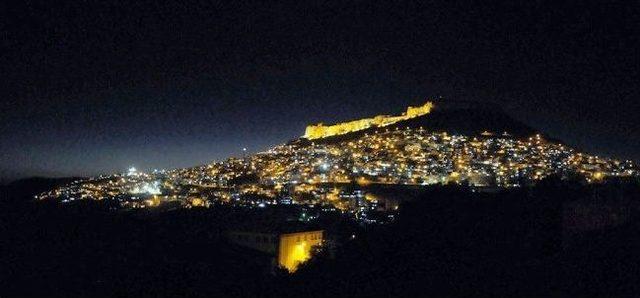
(5, 180)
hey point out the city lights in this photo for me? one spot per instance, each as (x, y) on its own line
(303, 173)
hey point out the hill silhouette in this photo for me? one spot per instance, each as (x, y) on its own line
(25, 189)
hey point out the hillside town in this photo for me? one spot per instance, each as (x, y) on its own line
(342, 176)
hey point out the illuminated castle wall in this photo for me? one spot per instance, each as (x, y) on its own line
(319, 130)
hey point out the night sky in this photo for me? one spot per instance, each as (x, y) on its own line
(89, 88)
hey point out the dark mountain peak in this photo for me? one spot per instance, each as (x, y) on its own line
(470, 119)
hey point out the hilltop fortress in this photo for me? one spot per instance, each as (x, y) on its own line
(319, 130)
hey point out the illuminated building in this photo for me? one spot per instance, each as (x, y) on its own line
(288, 249)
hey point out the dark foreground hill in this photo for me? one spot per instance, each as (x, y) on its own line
(451, 242)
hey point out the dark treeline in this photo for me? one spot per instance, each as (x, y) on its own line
(556, 238)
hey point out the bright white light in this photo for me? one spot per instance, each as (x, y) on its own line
(150, 188)
(132, 171)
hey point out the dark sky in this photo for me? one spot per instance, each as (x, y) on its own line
(90, 87)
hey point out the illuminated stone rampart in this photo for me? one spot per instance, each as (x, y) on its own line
(319, 130)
